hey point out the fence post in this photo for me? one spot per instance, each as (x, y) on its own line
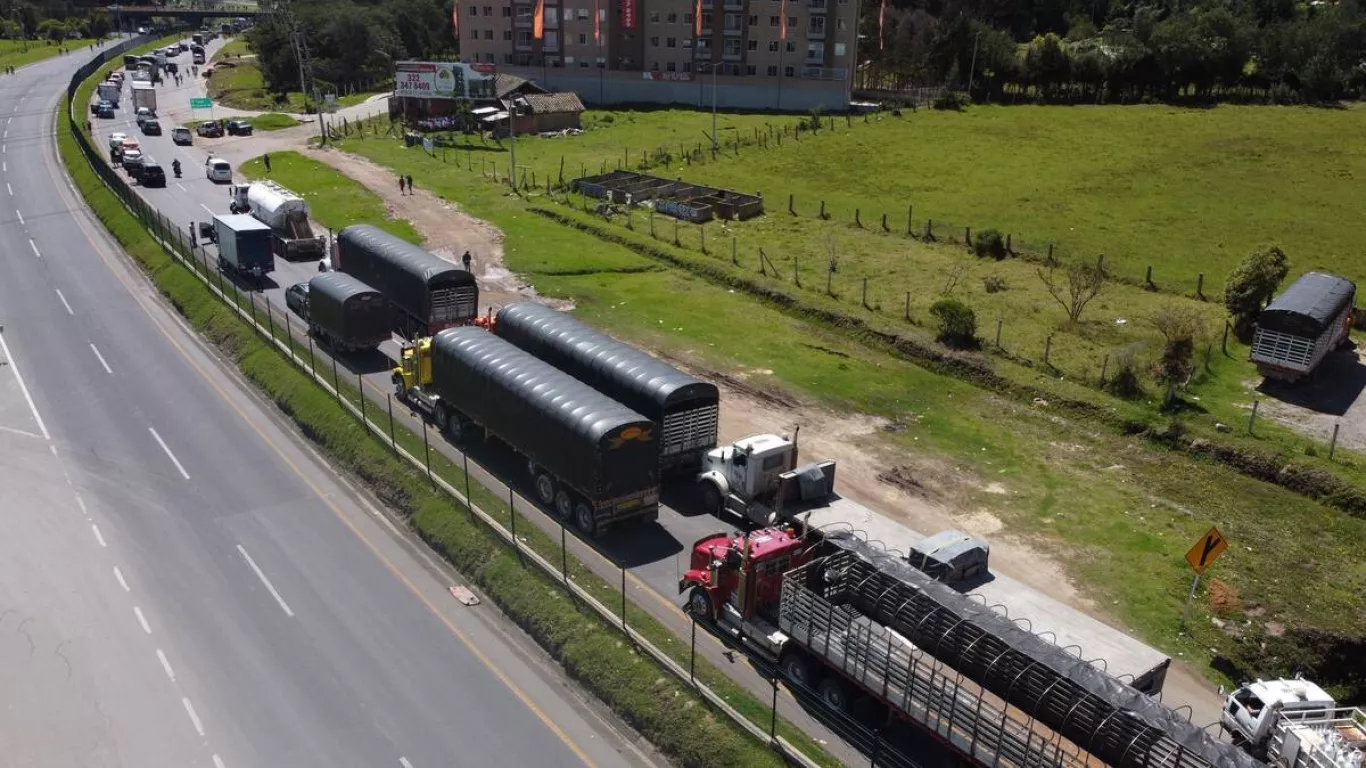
(1252, 420)
(427, 451)
(623, 598)
(393, 442)
(734, 251)
(512, 518)
(909, 210)
(336, 382)
(702, 235)
(1100, 262)
(908, 306)
(998, 333)
(1047, 348)
(967, 236)
(1224, 344)
(312, 365)
(796, 271)
(1009, 248)
(360, 388)
(1333, 444)
(865, 294)
(1104, 368)
(564, 554)
(858, 220)
(469, 500)
(676, 242)
(1148, 277)
(884, 223)
(822, 209)
(1050, 253)
(270, 320)
(791, 204)
(1200, 286)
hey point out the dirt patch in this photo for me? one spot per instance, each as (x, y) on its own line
(1223, 599)
(1313, 407)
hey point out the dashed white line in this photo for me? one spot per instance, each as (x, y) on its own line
(9, 188)
(4, 167)
(122, 583)
(265, 581)
(207, 208)
(96, 350)
(194, 718)
(22, 387)
(6, 134)
(182, 187)
(34, 246)
(166, 665)
(81, 503)
(174, 460)
(403, 761)
(142, 620)
(20, 214)
(64, 302)
(98, 536)
(217, 761)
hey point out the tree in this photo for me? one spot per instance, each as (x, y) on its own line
(1084, 283)
(99, 26)
(1180, 326)
(1251, 285)
(989, 243)
(957, 324)
(1047, 63)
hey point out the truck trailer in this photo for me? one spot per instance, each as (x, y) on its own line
(144, 95)
(110, 91)
(243, 246)
(285, 213)
(426, 293)
(1300, 327)
(685, 409)
(590, 458)
(346, 313)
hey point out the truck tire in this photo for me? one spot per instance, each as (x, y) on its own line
(834, 694)
(584, 518)
(700, 606)
(564, 505)
(545, 487)
(797, 670)
(710, 497)
(400, 391)
(442, 415)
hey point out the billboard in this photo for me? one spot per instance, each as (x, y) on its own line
(444, 80)
(628, 14)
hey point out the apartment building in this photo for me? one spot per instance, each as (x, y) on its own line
(783, 54)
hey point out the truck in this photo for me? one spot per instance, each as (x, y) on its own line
(589, 458)
(198, 39)
(427, 293)
(846, 619)
(243, 246)
(1295, 724)
(285, 213)
(345, 313)
(144, 95)
(109, 91)
(1300, 327)
(130, 61)
(684, 409)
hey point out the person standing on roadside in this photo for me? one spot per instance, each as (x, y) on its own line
(467, 259)
(400, 183)
(266, 159)
(410, 184)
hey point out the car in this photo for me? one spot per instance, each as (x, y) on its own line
(132, 162)
(296, 298)
(239, 128)
(145, 113)
(210, 130)
(218, 169)
(152, 174)
(104, 110)
(116, 139)
(181, 135)
(151, 127)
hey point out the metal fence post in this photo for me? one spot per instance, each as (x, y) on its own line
(1333, 445)
(773, 722)
(512, 516)
(393, 443)
(692, 657)
(312, 364)
(469, 500)
(427, 449)
(623, 598)
(360, 390)
(1252, 420)
(270, 320)
(336, 382)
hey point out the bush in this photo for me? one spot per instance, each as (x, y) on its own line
(947, 99)
(1251, 285)
(957, 324)
(994, 283)
(989, 242)
(1124, 382)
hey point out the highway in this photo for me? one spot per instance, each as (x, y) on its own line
(182, 581)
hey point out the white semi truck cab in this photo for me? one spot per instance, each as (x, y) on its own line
(1295, 724)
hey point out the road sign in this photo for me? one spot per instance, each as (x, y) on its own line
(1207, 550)
(201, 103)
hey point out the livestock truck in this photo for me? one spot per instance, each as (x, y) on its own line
(345, 313)
(285, 213)
(847, 620)
(426, 293)
(588, 457)
(684, 409)
(243, 246)
(1295, 724)
(1303, 325)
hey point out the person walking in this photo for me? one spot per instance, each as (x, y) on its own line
(467, 259)
(400, 183)
(266, 159)
(410, 184)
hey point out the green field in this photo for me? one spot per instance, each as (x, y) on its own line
(241, 85)
(336, 201)
(17, 53)
(1120, 513)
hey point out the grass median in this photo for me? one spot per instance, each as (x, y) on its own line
(664, 710)
(336, 201)
(19, 53)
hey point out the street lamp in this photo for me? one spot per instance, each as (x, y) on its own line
(713, 109)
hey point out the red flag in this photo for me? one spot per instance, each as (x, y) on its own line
(697, 19)
(538, 21)
(782, 30)
(597, 23)
(455, 19)
(881, 23)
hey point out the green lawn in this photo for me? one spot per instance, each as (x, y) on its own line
(336, 201)
(1120, 513)
(17, 53)
(241, 86)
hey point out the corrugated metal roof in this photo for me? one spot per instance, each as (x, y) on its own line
(553, 394)
(621, 371)
(338, 286)
(550, 103)
(1309, 305)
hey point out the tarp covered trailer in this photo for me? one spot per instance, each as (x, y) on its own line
(427, 293)
(1302, 325)
(346, 313)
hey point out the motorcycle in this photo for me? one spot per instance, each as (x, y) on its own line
(175, 167)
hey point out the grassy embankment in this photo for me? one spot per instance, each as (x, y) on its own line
(17, 53)
(336, 200)
(1120, 513)
(666, 713)
(240, 84)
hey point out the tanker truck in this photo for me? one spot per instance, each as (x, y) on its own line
(285, 213)
(426, 293)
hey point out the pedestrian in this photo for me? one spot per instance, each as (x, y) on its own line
(266, 159)
(467, 259)
(410, 184)
(400, 184)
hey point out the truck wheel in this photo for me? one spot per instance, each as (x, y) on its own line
(443, 419)
(710, 497)
(834, 694)
(585, 519)
(797, 670)
(699, 605)
(564, 504)
(545, 488)
(400, 391)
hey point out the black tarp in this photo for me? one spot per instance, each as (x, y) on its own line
(348, 309)
(1309, 306)
(403, 272)
(597, 445)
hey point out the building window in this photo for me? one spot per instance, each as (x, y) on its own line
(733, 22)
(841, 25)
(583, 65)
(583, 16)
(687, 66)
(583, 39)
(488, 10)
(816, 26)
(654, 66)
(791, 47)
(654, 42)
(687, 18)
(568, 60)
(507, 34)
(507, 11)
(706, 21)
(750, 69)
(524, 37)
(815, 50)
(789, 71)
(654, 17)
(673, 18)
(488, 34)
(774, 21)
(474, 34)
(772, 71)
(839, 49)
(507, 58)
(732, 48)
(752, 45)
(754, 20)
(773, 46)
(524, 14)
(670, 67)
(687, 42)
(474, 10)
(671, 42)
(791, 22)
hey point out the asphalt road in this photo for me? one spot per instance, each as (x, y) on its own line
(182, 582)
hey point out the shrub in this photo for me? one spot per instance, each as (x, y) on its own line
(1124, 382)
(989, 242)
(1251, 285)
(994, 283)
(947, 99)
(957, 324)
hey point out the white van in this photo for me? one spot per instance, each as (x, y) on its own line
(218, 169)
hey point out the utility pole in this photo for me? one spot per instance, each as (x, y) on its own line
(284, 15)
(973, 69)
(713, 109)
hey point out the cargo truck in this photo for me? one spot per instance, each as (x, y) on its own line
(144, 95)
(426, 293)
(1295, 724)
(1303, 325)
(345, 313)
(684, 409)
(243, 246)
(110, 92)
(589, 458)
(285, 213)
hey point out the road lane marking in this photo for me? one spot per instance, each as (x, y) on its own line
(34, 246)
(265, 581)
(8, 187)
(81, 503)
(166, 665)
(64, 303)
(403, 761)
(20, 214)
(14, 431)
(122, 583)
(142, 620)
(182, 187)
(9, 358)
(4, 167)
(194, 718)
(98, 536)
(174, 460)
(96, 350)
(217, 761)
(207, 208)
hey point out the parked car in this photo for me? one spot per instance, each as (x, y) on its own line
(132, 162)
(151, 127)
(152, 174)
(296, 298)
(210, 130)
(239, 128)
(104, 110)
(218, 169)
(181, 135)
(116, 139)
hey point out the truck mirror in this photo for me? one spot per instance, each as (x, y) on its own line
(740, 459)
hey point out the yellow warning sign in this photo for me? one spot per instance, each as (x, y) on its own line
(1207, 550)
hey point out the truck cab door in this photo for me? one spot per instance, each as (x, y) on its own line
(737, 473)
(1249, 714)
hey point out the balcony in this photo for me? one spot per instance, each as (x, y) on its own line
(817, 6)
(701, 53)
(706, 5)
(523, 22)
(815, 33)
(738, 56)
(522, 45)
(738, 29)
(734, 5)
